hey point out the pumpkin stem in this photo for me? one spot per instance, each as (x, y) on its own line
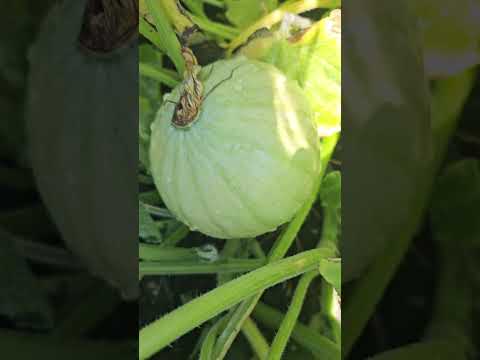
(188, 106)
(108, 24)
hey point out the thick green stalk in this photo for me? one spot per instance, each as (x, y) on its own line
(149, 252)
(448, 99)
(177, 236)
(208, 342)
(161, 75)
(183, 21)
(168, 38)
(320, 346)
(149, 197)
(282, 337)
(197, 267)
(195, 7)
(161, 333)
(157, 211)
(328, 299)
(277, 15)
(214, 28)
(180, 21)
(278, 251)
(256, 339)
(149, 32)
(230, 250)
(330, 237)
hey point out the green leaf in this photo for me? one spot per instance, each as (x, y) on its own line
(331, 270)
(314, 60)
(145, 117)
(150, 197)
(21, 298)
(242, 13)
(166, 33)
(196, 7)
(149, 102)
(455, 224)
(147, 227)
(455, 214)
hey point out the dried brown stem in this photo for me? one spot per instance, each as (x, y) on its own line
(108, 24)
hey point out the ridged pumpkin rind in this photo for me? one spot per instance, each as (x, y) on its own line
(250, 159)
(81, 114)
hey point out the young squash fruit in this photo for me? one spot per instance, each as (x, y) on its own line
(249, 158)
(81, 114)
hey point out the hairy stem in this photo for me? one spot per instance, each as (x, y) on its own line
(161, 333)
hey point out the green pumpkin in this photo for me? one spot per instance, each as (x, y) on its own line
(249, 160)
(82, 111)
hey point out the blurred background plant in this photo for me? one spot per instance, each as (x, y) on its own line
(410, 289)
(50, 306)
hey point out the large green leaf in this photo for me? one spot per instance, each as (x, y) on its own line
(386, 131)
(455, 213)
(149, 102)
(313, 58)
(331, 270)
(147, 228)
(242, 13)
